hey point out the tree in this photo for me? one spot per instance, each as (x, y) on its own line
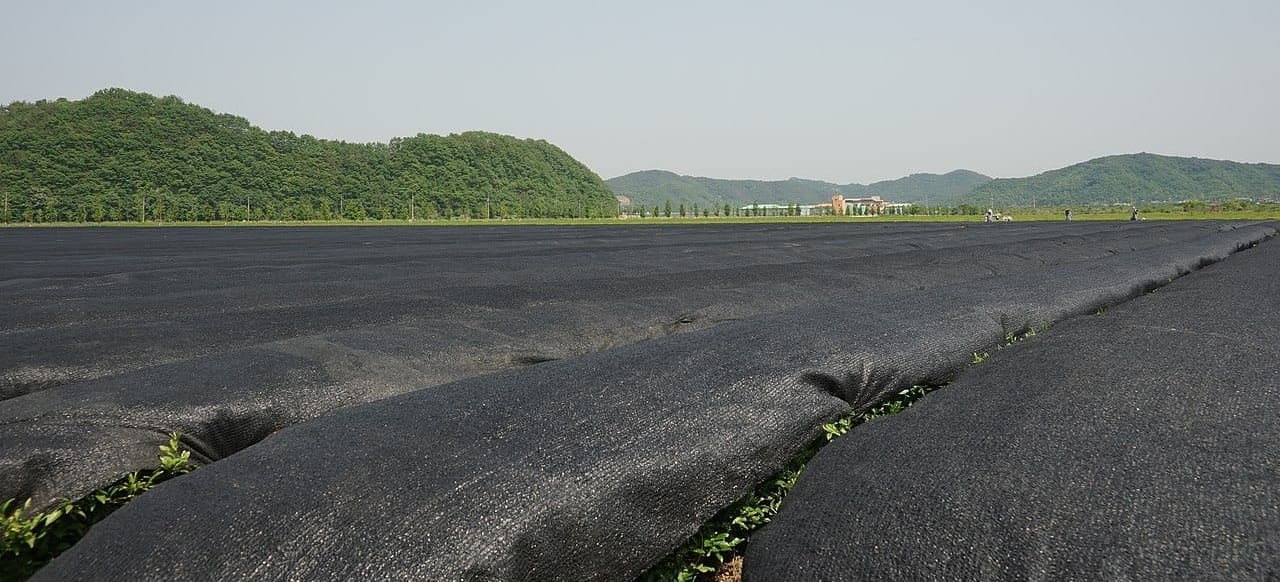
(682, 210)
(666, 210)
(123, 155)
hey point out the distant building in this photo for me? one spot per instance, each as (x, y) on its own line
(869, 205)
(839, 205)
(764, 210)
(784, 209)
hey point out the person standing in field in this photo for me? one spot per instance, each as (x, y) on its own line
(990, 216)
(1134, 216)
(1068, 215)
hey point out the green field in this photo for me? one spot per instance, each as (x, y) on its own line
(1187, 211)
(1019, 215)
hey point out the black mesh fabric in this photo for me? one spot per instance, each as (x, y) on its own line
(114, 338)
(1137, 444)
(593, 467)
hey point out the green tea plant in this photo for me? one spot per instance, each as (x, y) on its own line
(31, 539)
(727, 534)
(1011, 338)
(720, 539)
(901, 401)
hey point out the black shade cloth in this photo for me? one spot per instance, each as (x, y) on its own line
(1139, 444)
(587, 468)
(114, 338)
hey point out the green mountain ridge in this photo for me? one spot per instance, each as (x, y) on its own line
(1133, 179)
(1140, 178)
(934, 189)
(655, 187)
(123, 155)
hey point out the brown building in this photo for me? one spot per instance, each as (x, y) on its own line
(842, 206)
(872, 204)
(837, 205)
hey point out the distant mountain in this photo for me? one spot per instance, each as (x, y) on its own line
(939, 189)
(655, 187)
(1133, 178)
(121, 155)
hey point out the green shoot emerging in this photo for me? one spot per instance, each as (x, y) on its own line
(720, 539)
(31, 540)
(726, 535)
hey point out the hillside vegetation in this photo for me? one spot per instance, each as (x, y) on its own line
(1123, 179)
(655, 187)
(1134, 179)
(121, 155)
(935, 189)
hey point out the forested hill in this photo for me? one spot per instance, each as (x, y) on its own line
(936, 189)
(1134, 178)
(655, 187)
(121, 155)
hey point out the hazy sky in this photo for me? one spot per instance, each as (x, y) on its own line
(841, 91)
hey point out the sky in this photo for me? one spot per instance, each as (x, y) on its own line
(843, 91)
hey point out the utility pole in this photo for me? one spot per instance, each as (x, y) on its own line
(6, 207)
(246, 208)
(412, 208)
(487, 213)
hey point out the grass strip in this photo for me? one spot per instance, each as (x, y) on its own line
(32, 540)
(1271, 212)
(721, 541)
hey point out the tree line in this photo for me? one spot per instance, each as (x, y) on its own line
(120, 155)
